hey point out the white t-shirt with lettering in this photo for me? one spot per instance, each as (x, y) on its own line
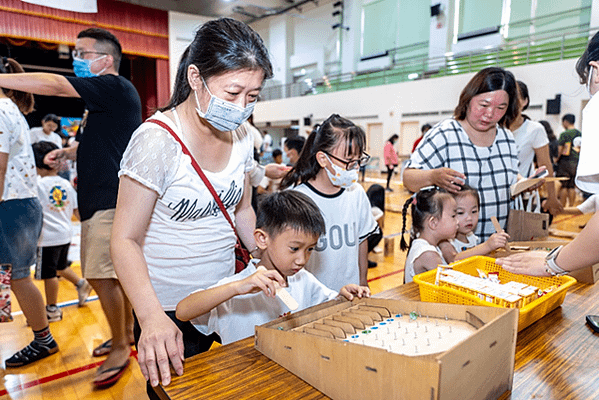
(189, 245)
(349, 222)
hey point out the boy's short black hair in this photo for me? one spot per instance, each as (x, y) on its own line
(289, 209)
(296, 142)
(276, 153)
(40, 149)
(570, 118)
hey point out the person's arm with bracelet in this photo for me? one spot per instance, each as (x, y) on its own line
(580, 253)
(160, 341)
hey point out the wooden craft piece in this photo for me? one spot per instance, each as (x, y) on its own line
(347, 327)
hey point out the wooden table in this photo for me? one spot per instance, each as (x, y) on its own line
(557, 357)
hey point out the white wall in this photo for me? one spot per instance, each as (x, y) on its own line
(388, 103)
(181, 31)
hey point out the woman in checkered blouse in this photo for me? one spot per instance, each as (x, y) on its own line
(474, 147)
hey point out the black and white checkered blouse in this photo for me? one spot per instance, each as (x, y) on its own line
(491, 170)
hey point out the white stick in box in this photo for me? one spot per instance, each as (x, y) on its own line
(282, 293)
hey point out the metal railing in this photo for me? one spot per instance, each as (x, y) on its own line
(539, 47)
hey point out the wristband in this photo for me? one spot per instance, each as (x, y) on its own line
(550, 265)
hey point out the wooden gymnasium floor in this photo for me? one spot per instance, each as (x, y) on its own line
(68, 373)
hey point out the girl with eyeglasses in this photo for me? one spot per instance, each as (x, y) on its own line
(434, 220)
(327, 171)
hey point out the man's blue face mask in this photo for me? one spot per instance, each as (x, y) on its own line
(82, 67)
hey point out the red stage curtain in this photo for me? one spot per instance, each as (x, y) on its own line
(142, 31)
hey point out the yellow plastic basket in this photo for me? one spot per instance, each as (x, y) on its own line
(529, 313)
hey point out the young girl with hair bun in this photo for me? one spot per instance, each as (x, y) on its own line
(327, 171)
(433, 221)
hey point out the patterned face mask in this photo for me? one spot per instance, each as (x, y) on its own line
(341, 177)
(224, 115)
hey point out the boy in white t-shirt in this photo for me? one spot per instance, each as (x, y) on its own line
(288, 226)
(59, 203)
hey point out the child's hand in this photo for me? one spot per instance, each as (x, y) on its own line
(261, 280)
(351, 290)
(497, 241)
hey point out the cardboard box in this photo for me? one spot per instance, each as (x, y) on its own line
(586, 275)
(479, 367)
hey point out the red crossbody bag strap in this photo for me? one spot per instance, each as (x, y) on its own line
(196, 166)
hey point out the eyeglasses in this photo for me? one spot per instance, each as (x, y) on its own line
(81, 53)
(352, 164)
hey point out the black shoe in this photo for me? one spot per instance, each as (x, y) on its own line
(371, 264)
(33, 352)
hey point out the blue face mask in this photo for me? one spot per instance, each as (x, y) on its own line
(82, 68)
(224, 115)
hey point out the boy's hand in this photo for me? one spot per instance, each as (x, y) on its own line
(497, 241)
(351, 290)
(261, 280)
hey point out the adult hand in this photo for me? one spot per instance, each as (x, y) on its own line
(276, 171)
(448, 179)
(553, 205)
(528, 263)
(160, 342)
(55, 158)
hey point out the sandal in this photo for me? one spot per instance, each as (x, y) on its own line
(111, 380)
(104, 348)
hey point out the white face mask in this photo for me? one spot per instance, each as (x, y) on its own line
(224, 115)
(342, 177)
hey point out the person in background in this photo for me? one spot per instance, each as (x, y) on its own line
(582, 252)
(170, 237)
(288, 226)
(271, 185)
(553, 143)
(532, 143)
(567, 162)
(327, 171)
(59, 203)
(293, 147)
(423, 129)
(48, 131)
(474, 147)
(391, 160)
(21, 215)
(114, 113)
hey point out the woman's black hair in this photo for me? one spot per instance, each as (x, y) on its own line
(590, 54)
(489, 80)
(523, 89)
(425, 203)
(23, 100)
(220, 46)
(325, 137)
(550, 134)
(289, 209)
(393, 138)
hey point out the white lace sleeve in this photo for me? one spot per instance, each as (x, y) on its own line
(151, 158)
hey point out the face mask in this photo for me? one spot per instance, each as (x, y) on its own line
(224, 115)
(589, 81)
(82, 68)
(342, 177)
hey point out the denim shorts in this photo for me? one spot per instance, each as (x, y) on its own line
(20, 228)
